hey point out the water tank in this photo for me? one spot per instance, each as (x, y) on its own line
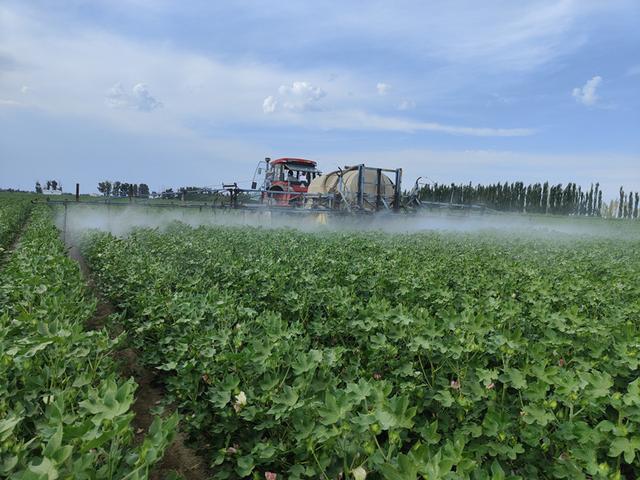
(348, 188)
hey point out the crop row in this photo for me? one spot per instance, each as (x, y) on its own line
(321, 356)
(64, 412)
(14, 210)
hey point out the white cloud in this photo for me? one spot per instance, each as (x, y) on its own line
(139, 98)
(406, 105)
(587, 94)
(24, 89)
(144, 100)
(117, 97)
(269, 105)
(383, 88)
(297, 97)
(189, 83)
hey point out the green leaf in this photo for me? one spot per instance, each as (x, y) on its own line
(359, 391)
(289, 397)
(600, 383)
(8, 464)
(109, 401)
(36, 348)
(335, 408)
(445, 398)
(263, 451)
(82, 380)
(497, 473)
(7, 425)
(537, 414)
(632, 397)
(516, 378)
(395, 414)
(220, 398)
(167, 366)
(405, 469)
(44, 470)
(625, 446)
(245, 465)
(306, 362)
(429, 432)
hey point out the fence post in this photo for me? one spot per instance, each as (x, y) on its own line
(64, 226)
(361, 186)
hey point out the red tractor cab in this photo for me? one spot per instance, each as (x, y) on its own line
(286, 178)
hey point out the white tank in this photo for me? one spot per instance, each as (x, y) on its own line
(330, 184)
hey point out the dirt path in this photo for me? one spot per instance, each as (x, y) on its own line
(178, 457)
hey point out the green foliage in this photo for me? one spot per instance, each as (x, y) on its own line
(431, 355)
(533, 198)
(14, 210)
(63, 411)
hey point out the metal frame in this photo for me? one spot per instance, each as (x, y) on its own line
(379, 202)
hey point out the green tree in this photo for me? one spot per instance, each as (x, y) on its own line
(143, 190)
(105, 188)
(599, 213)
(621, 203)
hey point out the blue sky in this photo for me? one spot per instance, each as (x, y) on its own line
(195, 93)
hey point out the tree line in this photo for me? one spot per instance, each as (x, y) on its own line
(544, 198)
(627, 207)
(123, 189)
(51, 185)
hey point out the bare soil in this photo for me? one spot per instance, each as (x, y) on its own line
(178, 457)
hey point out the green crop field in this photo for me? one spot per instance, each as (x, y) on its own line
(14, 209)
(324, 355)
(341, 355)
(64, 411)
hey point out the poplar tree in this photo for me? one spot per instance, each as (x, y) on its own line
(599, 203)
